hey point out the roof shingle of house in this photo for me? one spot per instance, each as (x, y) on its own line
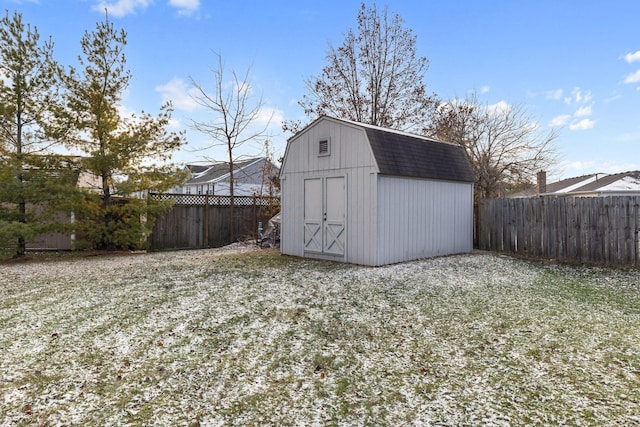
(208, 173)
(597, 184)
(626, 181)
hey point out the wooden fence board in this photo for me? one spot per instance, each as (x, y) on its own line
(201, 221)
(603, 230)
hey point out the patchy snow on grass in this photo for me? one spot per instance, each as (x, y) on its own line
(246, 337)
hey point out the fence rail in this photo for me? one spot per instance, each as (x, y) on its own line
(601, 230)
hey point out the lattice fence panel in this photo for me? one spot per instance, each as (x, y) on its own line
(213, 200)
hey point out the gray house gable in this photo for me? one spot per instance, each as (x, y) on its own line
(212, 173)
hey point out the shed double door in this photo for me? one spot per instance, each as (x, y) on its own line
(325, 215)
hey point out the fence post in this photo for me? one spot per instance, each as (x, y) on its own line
(255, 217)
(636, 216)
(205, 222)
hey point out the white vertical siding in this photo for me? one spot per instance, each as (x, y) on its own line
(351, 157)
(420, 218)
(389, 219)
(291, 215)
(348, 146)
(361, 211)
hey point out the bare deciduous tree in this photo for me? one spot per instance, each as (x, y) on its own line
(270, 182)
(375, 77)
(236, 114)
(505, 144)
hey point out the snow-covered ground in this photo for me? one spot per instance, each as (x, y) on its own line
(249, 337)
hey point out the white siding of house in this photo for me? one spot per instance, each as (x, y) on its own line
(249, 181)
(420, 218)
(350, 157)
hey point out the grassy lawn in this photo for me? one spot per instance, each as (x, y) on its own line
(254, 338)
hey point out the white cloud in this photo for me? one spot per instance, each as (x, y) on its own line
(609, 167)
(579, 165)
(241, 88)
(179, 94)
(125, 112)
(583, 124)
(271, 116)
(127, 116)
(485, 89)
(632, 57)
(612, 98)
(633, 77)
(499, 108)
(578, 96)
(121, 8)
(584, 111)
(560, 120)
(554, 94)
(185, 7)
(174, 124)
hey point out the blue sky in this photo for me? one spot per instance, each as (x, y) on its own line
(572, 64)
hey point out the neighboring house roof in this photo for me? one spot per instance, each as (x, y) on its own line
(558, 187)
(212, 173)
(194, 169)
(619, 183)
(597, 184)
(405, 154)
(570, 184)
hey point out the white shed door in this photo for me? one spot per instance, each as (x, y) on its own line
(325, 215)
(334, 216)
(313, 214)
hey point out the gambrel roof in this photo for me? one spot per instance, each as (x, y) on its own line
(400, 153)
(413, 156)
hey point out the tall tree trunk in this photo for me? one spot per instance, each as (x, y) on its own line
(107, 243)
(21, 247)
(232, 231)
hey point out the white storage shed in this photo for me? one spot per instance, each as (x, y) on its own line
(367, 195)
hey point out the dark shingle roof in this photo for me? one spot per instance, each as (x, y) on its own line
(403, 154)
(592, 184)
(215, 171)
(198, 168)
(554, 187)
(602, 182)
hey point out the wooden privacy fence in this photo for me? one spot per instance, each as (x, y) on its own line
(601, 230)
(202, 221)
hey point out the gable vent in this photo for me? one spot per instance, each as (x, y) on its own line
(323, 147)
